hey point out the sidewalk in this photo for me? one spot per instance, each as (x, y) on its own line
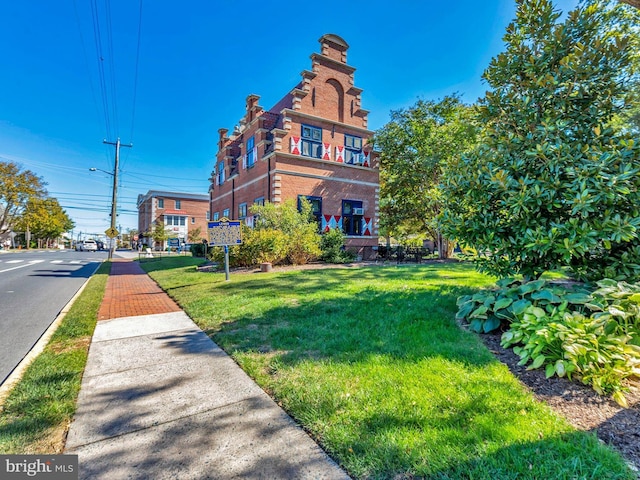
(160, 400)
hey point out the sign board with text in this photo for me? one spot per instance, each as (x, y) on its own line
(224, 232)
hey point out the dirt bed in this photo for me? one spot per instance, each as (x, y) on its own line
(579, 404)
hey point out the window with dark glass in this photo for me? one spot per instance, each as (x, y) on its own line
(242, 210)
(316, 206)
(250, 158)
(161, 203)
(352, 149)
(311, 142)
(352, 217)
(178, 203)
(259, 201)
(220, 173)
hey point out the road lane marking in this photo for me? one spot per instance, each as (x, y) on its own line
(31, 262)
(14, 261)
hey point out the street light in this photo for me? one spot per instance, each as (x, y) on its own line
(113, 202)
(94, 169)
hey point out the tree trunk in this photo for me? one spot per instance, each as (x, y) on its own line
(443, 246)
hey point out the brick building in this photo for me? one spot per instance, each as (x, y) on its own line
(180, 213)
(312, 144)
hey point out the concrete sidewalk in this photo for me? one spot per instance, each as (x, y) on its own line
(160, 400)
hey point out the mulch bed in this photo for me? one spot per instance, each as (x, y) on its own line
(580, 404)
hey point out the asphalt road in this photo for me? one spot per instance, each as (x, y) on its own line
(34, 287)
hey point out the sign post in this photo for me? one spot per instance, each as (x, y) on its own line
(226, 263)
(223, 234)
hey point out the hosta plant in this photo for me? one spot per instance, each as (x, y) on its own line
(491, 309)
(566, 343)
(620, 301)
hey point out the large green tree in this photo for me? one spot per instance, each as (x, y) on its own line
(414, 146)
(158, 232)
(44, 219)
(552, 183)
(17, 187)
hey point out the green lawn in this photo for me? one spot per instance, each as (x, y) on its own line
(371, 362)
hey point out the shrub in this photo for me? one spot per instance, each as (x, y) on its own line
(303, 246)
(258, 246)
(332, 246)
(269, 245)
(198, 249)
(281, 234)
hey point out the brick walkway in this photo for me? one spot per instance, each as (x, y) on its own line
(131, 292)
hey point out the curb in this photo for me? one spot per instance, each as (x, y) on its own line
(16, 374)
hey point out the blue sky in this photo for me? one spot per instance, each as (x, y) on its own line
(197, 61)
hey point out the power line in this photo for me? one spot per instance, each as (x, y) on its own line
(135, 81)
(98, 44)
(86, 61)
(114, 95)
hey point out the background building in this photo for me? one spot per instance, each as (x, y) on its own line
(312, 144)
(181, 213)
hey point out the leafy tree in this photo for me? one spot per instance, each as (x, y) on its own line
(552, 183)
(45, 219)
(17, 186)
(414, 146)
(195, 235)
(158, 232)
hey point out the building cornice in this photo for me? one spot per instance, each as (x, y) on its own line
(324, 59)
(178, 195)
(346, 126)
(324, 177)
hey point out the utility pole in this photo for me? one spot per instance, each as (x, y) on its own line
(115, 189)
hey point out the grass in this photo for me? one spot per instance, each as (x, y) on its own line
(35, 416)
(372, 364)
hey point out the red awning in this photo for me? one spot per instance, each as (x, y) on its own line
(175, 212)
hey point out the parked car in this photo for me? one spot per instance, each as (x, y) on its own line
(87, 246)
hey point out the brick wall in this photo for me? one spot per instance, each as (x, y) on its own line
(326, 98)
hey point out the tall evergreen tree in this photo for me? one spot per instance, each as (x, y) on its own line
(553, 183)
